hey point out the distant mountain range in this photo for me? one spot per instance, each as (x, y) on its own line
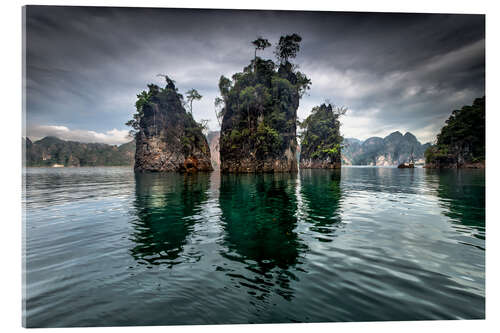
(392, 150)
(51, 151)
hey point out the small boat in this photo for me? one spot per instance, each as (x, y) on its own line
(408, 165)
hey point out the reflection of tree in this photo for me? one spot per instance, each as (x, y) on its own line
(321, 192)
(462, 193)
(258, 214)
(165, 205)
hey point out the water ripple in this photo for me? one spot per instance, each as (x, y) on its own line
(106, 247)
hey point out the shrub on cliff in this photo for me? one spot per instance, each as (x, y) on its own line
(462, 139)
(321, 139)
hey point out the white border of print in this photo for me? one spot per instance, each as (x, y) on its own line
(11, 157)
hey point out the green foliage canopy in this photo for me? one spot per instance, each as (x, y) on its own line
(261, 43)
(463, 133)
(258, 105)
(288, 47)
(192, 95)
(321, 137)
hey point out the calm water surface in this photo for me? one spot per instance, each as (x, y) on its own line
(107, 247)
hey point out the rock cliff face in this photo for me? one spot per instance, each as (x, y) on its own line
(168, 138)
(213, 141)
(462, 141)
(392, 150)
(258, 132)
(319, 164)
(321, 139)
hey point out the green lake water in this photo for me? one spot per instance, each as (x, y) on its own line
(107, 247)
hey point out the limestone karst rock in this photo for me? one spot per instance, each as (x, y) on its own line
(258, 132)
(167, 137)
(321, 140)
(259, 111)
(391, 150)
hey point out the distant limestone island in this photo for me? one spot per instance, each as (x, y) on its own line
(393, 150)
(54, 152)
(460, 144)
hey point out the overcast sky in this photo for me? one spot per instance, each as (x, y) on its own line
(406, 72)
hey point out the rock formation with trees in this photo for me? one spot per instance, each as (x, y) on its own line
(321, 140)
(167, 137)
(258, 112)
(462, 141)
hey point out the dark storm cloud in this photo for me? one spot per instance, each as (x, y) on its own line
(394, 71)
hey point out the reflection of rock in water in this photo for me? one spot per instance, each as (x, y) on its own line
(320, 190)
(258, 215)
(462, 193)
(165, 206)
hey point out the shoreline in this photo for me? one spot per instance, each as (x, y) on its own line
(468, 167)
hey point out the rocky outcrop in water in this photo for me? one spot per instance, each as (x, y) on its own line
(392, 150)
(462, 141)
(321, 140)
(258, 132)
(167, 137)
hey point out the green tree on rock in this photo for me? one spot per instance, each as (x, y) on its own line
(260, 44)
(192, 95)
(142, 99)
(288, 47)
(219, 103)
(219, 109)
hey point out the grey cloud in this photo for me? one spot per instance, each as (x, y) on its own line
(403, 71)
